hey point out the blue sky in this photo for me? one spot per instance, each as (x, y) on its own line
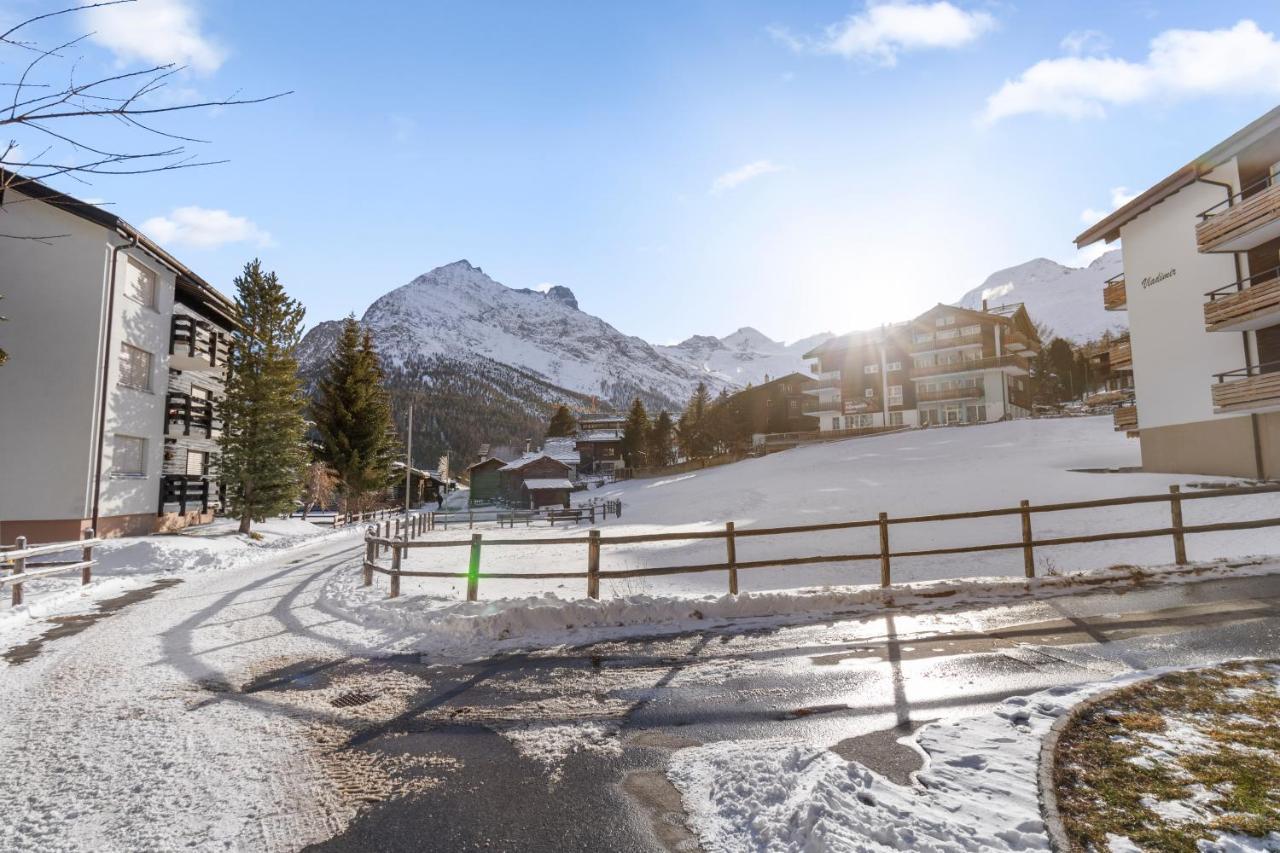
(685, 167)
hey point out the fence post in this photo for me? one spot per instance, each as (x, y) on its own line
(1179, 540)
(19, 566)
(396, 547)
(86, 556)
(473, 568)
(884, 549)
(593, 564)
(370, 554)
(1028, 550)
(471, 519)
(397, 536)
(731, 554)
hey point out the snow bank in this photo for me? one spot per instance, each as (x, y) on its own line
(449, 628)
(978, 792)
(133, 561)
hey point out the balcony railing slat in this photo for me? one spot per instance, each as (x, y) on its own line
(1259, 299)
(1226, 223)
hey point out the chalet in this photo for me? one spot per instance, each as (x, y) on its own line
(599, 443)
(536, 481)
(1201, 285)
(947, 366)
(426, 486)
(486, 484)
(116, 427)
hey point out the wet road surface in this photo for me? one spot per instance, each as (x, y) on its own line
(613, 712)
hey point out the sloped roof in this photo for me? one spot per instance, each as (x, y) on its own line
(525, 461)
(541, 483)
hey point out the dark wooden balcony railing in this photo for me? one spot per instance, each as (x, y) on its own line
(1120, 356)
(198, 340)
(1251, 302)
(946, 343)
(967, 393)
(191, 413)
(1240, 222)
(1253, 387)
(1125, 418)
(1113, 294)
(966, 365)
(810, 406)
(185, 490)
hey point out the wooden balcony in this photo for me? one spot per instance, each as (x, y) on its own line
(1113, 295)
(190, 413)
(1245, 221)
(188, 491)
(1016, 363)
(969, 393)
(1248, 389)
(818, 407)
(1125, 419)
(1251, 303)
(946, 343)
(1120, 357)
(196, 344)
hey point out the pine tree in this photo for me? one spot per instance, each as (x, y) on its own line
(635, 436)
(262, 449)
(692, 431)
(352, 413)
(562, 423)
(661, 435)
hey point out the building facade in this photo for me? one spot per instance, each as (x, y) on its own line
(777, 406)
(110, 397)
(1202, 288)
(599, 443)
(947, 366)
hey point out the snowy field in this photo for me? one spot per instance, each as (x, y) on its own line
(911, 473)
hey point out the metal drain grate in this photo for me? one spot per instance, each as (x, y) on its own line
(352, 700)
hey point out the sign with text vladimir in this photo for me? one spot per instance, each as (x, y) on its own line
(1152, 280)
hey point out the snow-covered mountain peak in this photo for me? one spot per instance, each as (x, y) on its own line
(747, 338)
(1066, 299)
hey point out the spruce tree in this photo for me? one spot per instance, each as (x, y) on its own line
(562, 423)
(693, 429)
(352, 413)
(635, 435)
(262, 451)
(660, 437)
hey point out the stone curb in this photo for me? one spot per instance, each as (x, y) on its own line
(1058, 840)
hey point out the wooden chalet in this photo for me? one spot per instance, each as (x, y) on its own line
(536, 481)
(777, 405)
(486, 484)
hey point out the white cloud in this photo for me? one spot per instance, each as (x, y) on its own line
(202, 228)
(1244, 60)
(883, 30)
(545, 287)
(1120, 196)
(156, 31)
(742, 174)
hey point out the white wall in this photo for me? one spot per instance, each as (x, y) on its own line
(1174, 358)
(55, 296)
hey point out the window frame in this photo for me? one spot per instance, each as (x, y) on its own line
(122, 377)
(133, 263)
(141, 472)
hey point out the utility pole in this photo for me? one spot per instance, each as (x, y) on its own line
(408, 465)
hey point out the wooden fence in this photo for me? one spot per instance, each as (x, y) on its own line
(343, 519)
(18, 556)
(510, 517)
(376, 542)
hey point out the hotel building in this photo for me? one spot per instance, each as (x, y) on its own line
(1201, 285)
(117, 353)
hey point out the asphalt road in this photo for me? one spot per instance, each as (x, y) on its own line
(857, 686)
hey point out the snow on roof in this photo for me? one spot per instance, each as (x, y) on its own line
(533, 457)
(539, 483)
(600, 435)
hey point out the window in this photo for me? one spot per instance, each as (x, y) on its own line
(970, 331)
(869, 393)
(871, 368)
(923, 337)
(793, 406)
(948, 320)
(135, 367)
(948, 334)
(893, 365)
(197, 463)
(835, 423)
(895, 395)
(895, 419)
(861, 421)
(128, 456)
(140, 283)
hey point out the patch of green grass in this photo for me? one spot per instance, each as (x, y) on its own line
(1104, 772)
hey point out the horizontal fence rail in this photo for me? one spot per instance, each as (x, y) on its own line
(18, 557)
(378, 540)
(510, 517)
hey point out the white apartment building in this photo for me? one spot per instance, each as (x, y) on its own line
(108, 404)
(1202, 288)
